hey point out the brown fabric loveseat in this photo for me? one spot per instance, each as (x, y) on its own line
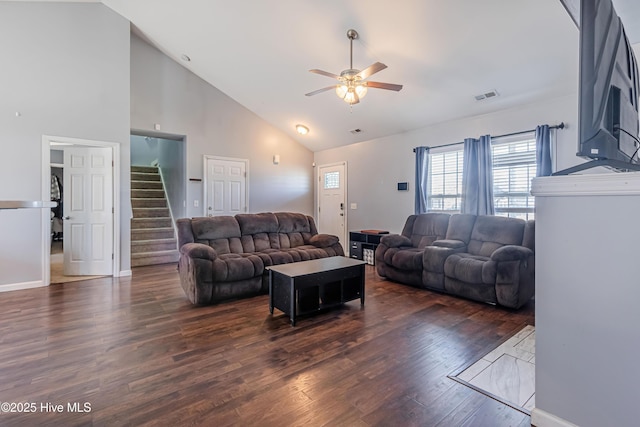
(225, 257)
(484, 258)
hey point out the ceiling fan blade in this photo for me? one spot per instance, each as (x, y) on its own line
(324, 73)
(371, 70)
(388, 86)
(324, 89)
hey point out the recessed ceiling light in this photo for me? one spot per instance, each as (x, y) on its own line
(185, 58)
(302, 129)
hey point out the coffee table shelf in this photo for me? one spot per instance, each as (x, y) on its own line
(307, 287)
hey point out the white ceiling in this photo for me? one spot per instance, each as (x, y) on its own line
(443, 52)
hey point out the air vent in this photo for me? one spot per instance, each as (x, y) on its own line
(356, 131)
(488, 95)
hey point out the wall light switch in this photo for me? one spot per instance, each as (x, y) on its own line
(196, 203)
(354, 206)
(156, 126)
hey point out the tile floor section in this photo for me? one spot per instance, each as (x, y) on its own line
(508, 372)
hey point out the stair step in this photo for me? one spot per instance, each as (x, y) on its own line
(140, 176)
(151, 212)
(154, 258)
(138, 223)
(146, 185)
(152, 233)
(150, 194)
(148, 203)
(144, 169)
(153, 245)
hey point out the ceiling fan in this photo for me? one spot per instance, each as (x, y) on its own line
(352, 84)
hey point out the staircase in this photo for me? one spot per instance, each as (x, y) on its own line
(152, 236)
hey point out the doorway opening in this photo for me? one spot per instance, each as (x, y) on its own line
(83, 232)
(158, 196)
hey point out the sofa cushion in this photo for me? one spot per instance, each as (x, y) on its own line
(428, 228)
(404, 258)
(257, 223)
(470, 268)
(492, 232)
(233, 267)
(217, 227)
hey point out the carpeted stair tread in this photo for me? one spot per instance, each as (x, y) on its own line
(138, 223)
(141, 176)
(152, 233)
(148, 203)
(146, 185)
(142, 193)
(153, 245)
(144, 169)
(154, 258)
(153, 212)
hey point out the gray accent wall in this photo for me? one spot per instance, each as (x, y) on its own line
(165, 93)
(375, 167)
(66, 71)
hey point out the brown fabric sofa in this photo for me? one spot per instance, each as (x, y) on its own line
(484, 258)
(225, 257)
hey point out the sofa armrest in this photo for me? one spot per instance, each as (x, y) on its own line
(323, 240)
(511, 253)
(451, 244)
(395, 240)
(433, 257)
(198, 250)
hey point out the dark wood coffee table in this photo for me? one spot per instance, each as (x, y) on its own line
(310, 286)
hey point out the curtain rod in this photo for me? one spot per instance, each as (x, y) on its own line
(560, 126)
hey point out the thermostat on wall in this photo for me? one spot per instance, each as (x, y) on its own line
(403, 186)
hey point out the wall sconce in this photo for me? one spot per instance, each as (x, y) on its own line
(276, 159)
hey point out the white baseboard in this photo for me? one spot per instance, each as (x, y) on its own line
(125, 273)
(540, 418)
(20, 286)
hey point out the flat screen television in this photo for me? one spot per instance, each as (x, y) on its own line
(608, 91)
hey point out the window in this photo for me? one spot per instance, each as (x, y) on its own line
(331, 180)
(445, 181)
(514, 165)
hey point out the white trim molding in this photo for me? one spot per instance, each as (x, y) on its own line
(540, 418)
(20, 286)
(605, 184)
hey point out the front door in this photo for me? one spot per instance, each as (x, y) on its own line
(88, 211)
(332, 200)
(225, 186)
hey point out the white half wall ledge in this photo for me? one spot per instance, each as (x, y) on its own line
(605, 184)
(540, 418)
(21, 286)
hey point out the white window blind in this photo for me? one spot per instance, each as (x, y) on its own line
(445, 181)
(514, 165)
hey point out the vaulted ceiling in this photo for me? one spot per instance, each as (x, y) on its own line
(443, 52)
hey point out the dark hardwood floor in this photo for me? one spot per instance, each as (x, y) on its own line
(139, 353)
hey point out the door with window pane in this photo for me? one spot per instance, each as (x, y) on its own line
(332, 184)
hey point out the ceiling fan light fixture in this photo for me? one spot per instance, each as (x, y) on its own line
(361, 90)
(302, 129)
(341, 90)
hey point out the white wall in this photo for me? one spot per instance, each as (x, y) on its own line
(66, 70)
(374, 167)
(587, 295)
(165, 93)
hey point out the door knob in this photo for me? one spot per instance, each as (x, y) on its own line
(67, 217)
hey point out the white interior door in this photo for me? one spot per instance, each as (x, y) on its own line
(332, 201)
(226, 186)
(88, 211)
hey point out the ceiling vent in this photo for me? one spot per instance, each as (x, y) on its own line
(488, 95)
(356, 131)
